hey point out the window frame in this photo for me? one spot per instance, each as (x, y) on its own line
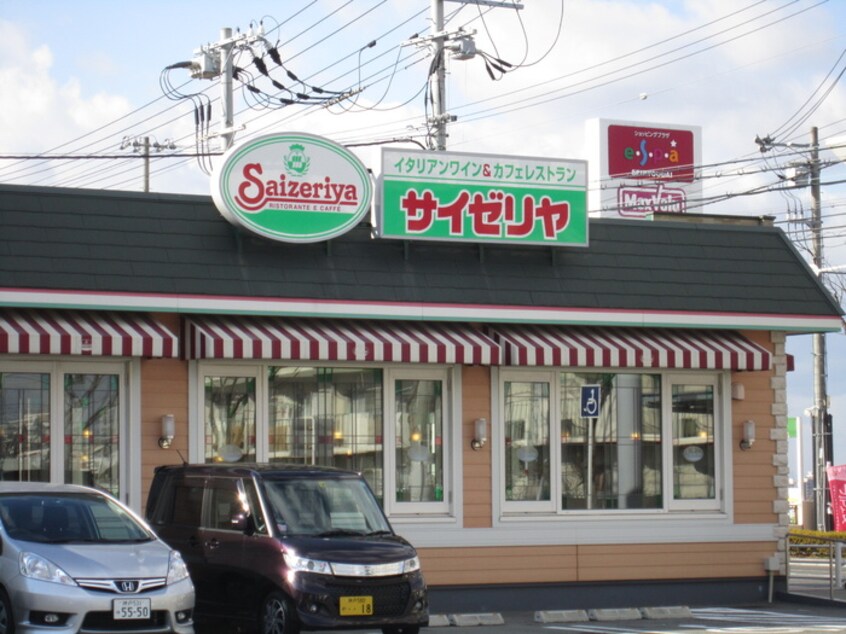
(392, 506)
(720, 380)
(128, 436)
(197, 434)
(722, 431)
(520, 507)
(448, 510)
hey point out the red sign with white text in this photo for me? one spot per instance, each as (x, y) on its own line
(650, 153)
(837, 491)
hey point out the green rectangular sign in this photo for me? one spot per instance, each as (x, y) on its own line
(455, 196)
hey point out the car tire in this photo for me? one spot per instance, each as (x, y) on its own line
(401, 629)
(277, 615)
(7, 619)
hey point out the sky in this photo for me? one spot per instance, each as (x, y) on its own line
(91, 78)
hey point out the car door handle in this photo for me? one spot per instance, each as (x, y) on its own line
(212, 543)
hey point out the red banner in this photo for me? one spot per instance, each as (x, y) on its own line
(837, 490)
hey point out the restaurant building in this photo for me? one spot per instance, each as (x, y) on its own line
(551, 427)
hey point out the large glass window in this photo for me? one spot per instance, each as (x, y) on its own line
(611, 460)
(25, 426)
(327, 416)
(628, 441)
(65, 421)
(392, 425)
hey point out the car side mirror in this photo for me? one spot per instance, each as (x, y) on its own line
(243, 522)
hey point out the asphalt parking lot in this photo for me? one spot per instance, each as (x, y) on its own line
(781, 617)
(774, 618)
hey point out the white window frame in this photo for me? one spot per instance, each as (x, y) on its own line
(449, 511)
(515, 507)
(508, 510)
(197, 453)
(669, 379)
(129, 436)
(393, 507)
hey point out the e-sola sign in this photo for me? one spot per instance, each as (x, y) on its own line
(292, 187)
(454, 196)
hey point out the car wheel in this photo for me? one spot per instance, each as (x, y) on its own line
(7, 620)
(277, 615)
(401, 629)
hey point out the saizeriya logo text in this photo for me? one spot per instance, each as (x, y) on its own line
(255, 193)
(293, 187)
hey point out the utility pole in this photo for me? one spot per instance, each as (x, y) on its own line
(821, 432)
(823, 442)
(143, 145)
(215, 60)
(461, 44)
(439, 116)
(227, 133)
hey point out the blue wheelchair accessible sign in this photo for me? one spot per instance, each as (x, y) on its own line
(590, 401)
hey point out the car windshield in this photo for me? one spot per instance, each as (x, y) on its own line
(324, 507)
(68, 517)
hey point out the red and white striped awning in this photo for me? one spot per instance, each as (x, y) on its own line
(85, 333)
(245, 337)
(586, 347)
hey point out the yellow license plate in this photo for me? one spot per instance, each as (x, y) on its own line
(356, 606)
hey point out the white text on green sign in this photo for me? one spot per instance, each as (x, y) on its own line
(482, 198)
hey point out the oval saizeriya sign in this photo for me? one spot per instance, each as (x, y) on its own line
(292, 187)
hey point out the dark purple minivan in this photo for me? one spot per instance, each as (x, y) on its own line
(288, 548)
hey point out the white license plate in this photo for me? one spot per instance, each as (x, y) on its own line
(125, 609)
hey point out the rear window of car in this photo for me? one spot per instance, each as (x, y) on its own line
(72, 517)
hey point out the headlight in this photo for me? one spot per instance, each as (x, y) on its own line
(176, 568)
(37, 567)
(302, 564)
(410, 565)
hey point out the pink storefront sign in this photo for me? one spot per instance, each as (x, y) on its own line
(837, 490)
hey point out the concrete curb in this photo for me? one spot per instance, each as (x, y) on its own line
(615, 614)
(466, 620)
(561, 616)
(564, 616)
(672, 612)
(438, 620)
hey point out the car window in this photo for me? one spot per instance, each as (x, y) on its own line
(187, 508)
(310, 506)
(226, 504)
(68, 517)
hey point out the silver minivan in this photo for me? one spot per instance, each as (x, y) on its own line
(75, 559)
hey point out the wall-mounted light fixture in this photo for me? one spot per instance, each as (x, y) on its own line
(748, 438)
(738, 391)
(480, 434)
(168, 431)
